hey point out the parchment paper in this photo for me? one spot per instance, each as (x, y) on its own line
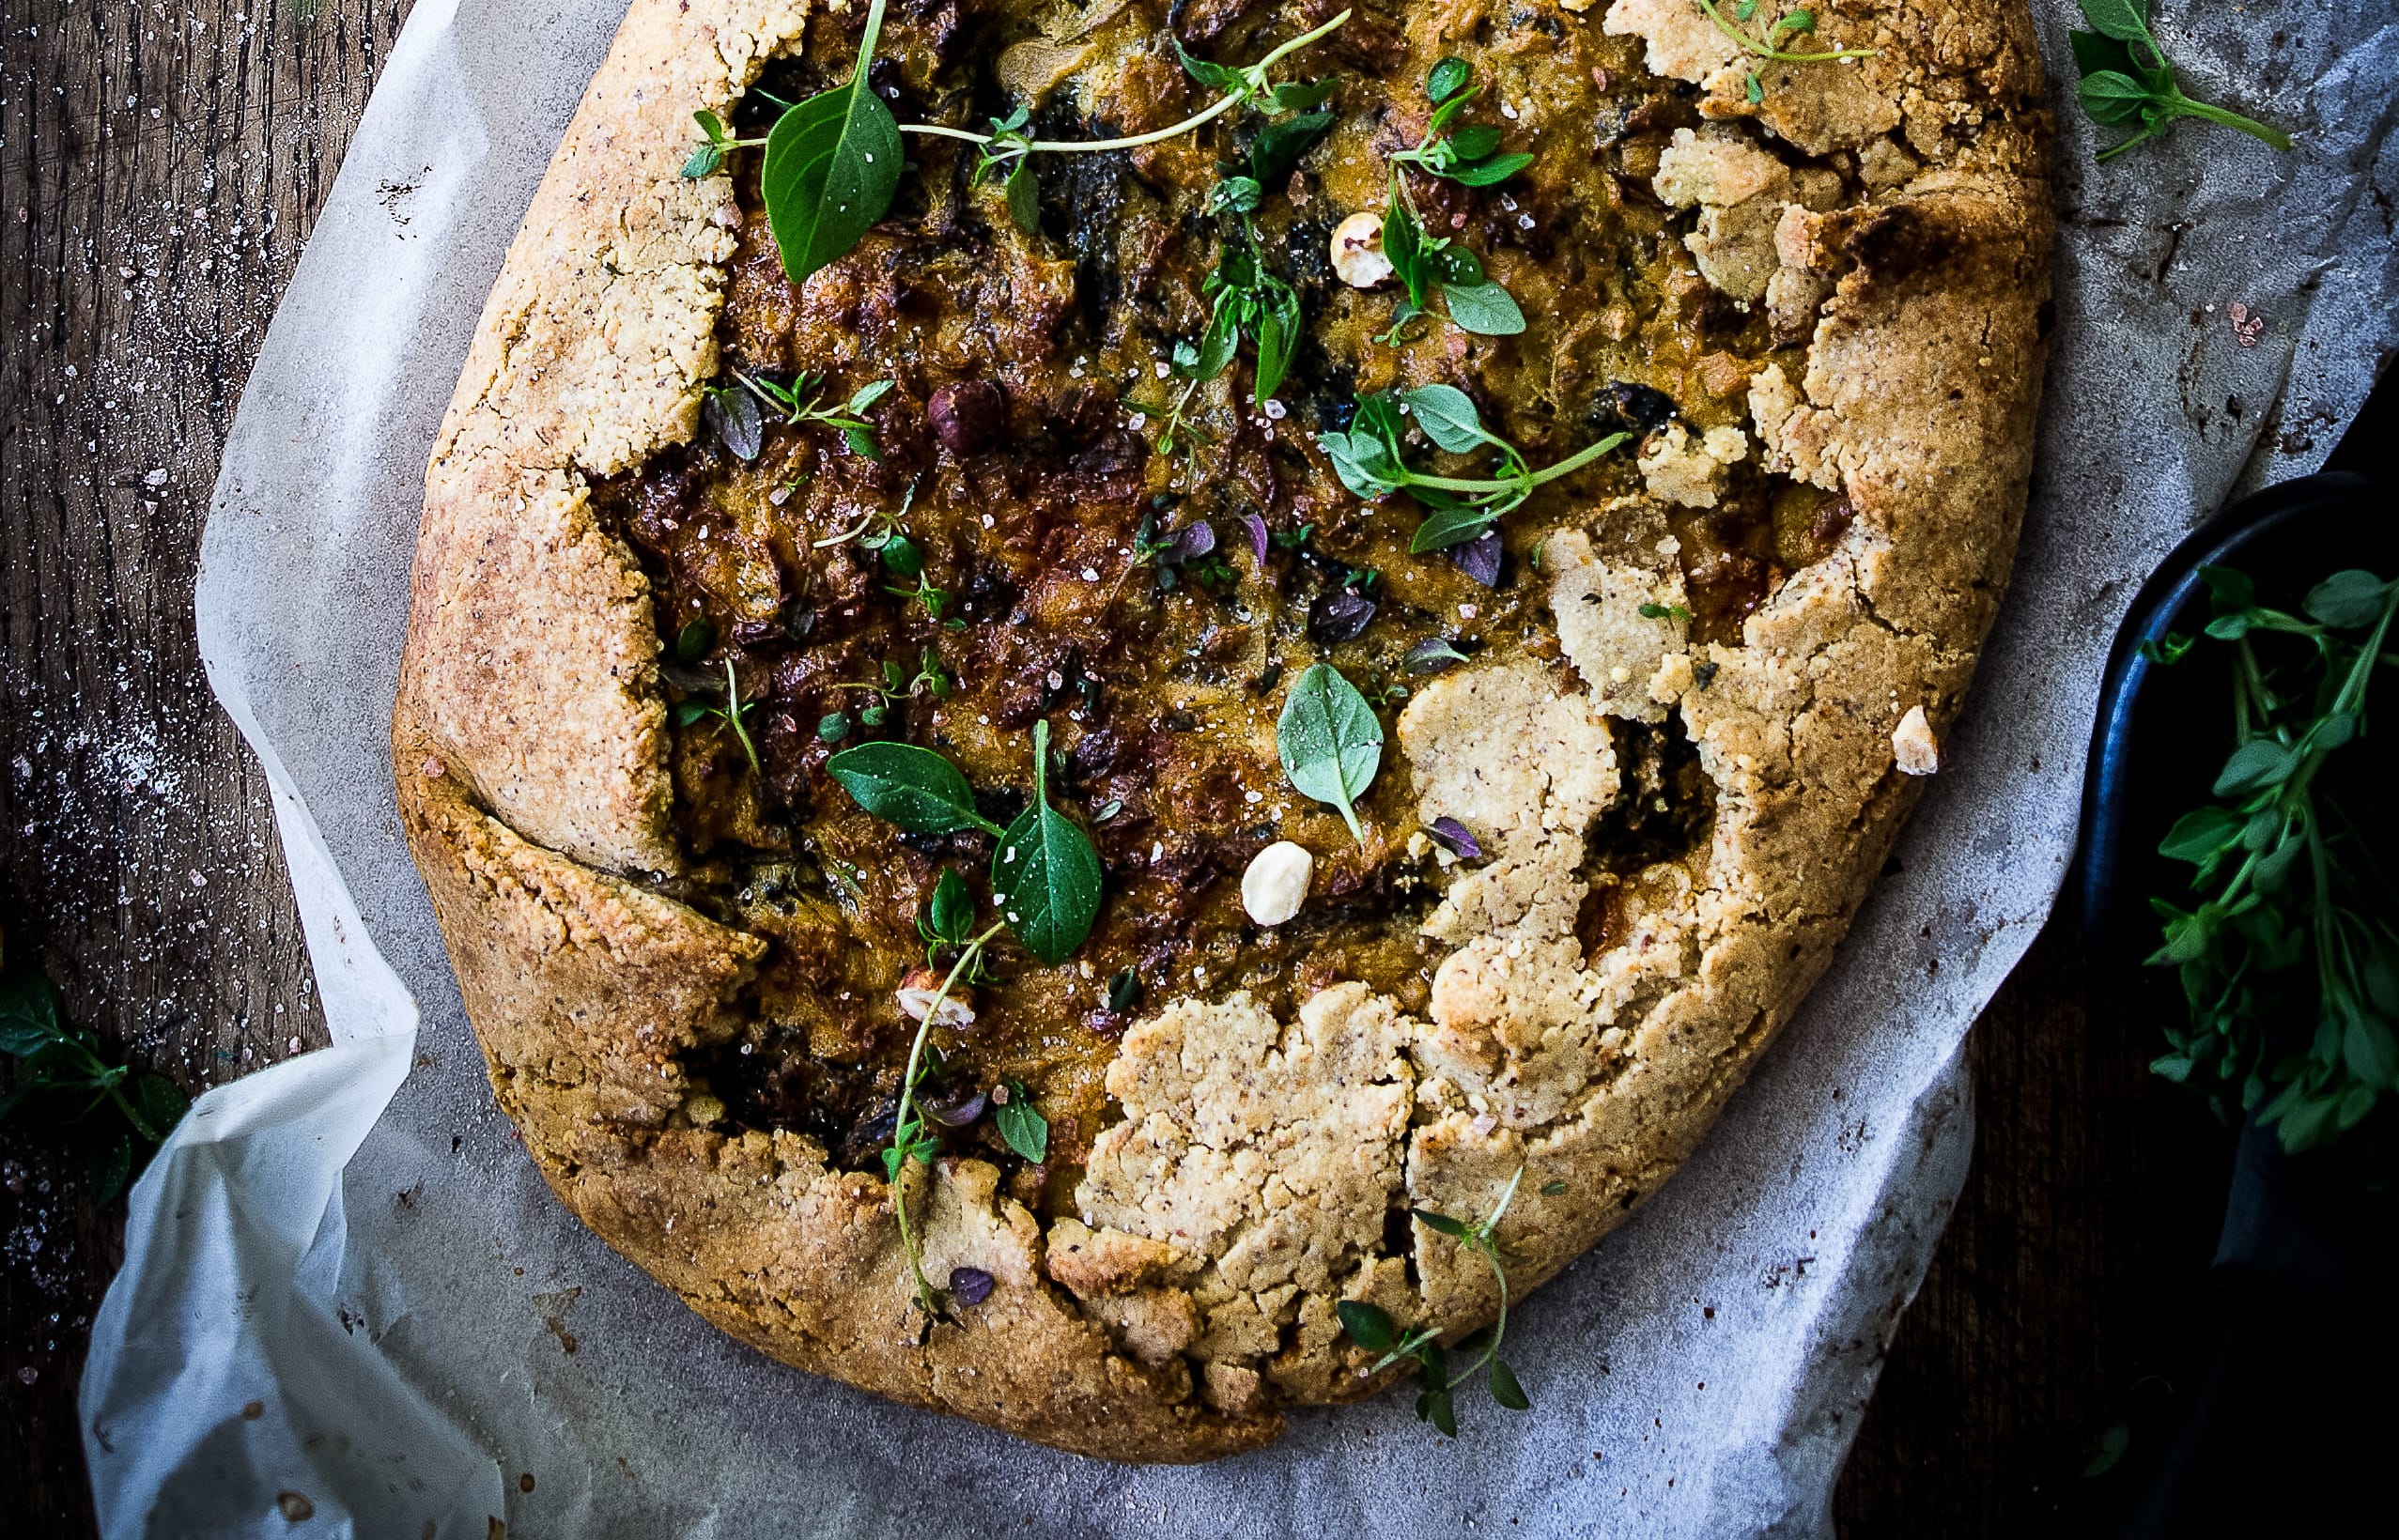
(431, 1343)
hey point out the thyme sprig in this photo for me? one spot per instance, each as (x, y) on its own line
(694, 709)
(1006, 143)
(1369, 457)
(833, 162)
(2287, 887)
(1371, 1328)
(1766, 42)
(911, 1140)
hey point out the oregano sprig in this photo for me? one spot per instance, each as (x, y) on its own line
(63, 1077)
(1471, 155)
(1371, 1328)
(1368, 457)
(2127, 80)
(2289, 896)
(1427, 265)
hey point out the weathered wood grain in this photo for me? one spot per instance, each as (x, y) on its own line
(160, 167)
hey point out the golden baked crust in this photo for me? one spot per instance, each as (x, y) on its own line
(1243, 1190)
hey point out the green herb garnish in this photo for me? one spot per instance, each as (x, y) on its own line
(695, 710)
(1020, 1123)
(63, 1079)
(1044, 871)
(895, 688)
(1428, 265)
(1046, 879)
(2287, 886)
(911, 1139)
(801, 402)
(832, 165)
(1045, 875)
(1248, 300)
(1329, 740)
(1767, 42)
(1371, 1328)
(1367, 458)
(833, 162)
(2128, 82)
(1471, 155)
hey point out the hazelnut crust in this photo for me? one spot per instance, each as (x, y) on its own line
(529, 738)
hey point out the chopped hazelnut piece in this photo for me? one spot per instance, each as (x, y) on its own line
(1357, 250)
(1276, 883)
(916, 996)
(1912, 744)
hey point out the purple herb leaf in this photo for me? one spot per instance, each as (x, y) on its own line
(1478, 557)
(970, 1286)
(1257, 527)
(1454, 835)
(1341, 616)
(1431, 655)
(957, 1110)
(733, 413)
(1192, 542)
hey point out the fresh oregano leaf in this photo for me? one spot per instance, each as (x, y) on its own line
(1021, 1124)
(733, 414)
(2260, 762)
(1024, 197)
(915, 788)
(1488, 172)
(2346, 600)
(1484, 309)
(1329, 740)
(1045, 875)
(2199, 835)
(1505, 1389)
(1368, 1325)
(1451, 524)
(1447, 416)
(2125, 21)
(1279, 145)
(832, 165)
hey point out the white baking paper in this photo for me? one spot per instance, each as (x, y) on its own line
(433, 1343)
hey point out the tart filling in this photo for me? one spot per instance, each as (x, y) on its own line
(1045, 516)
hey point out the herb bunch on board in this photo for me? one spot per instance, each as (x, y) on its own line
(2289, 960)
(2127, 82)
(1372, 1327)
(63, 1079)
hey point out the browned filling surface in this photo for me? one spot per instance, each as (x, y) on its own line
(1011, 461)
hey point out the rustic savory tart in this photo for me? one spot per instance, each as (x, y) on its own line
(1117, 715)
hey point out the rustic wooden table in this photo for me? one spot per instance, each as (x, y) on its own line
(160, 165)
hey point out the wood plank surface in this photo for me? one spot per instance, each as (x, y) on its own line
(160, 168)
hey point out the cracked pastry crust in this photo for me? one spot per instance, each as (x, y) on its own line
(1244, 1191)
